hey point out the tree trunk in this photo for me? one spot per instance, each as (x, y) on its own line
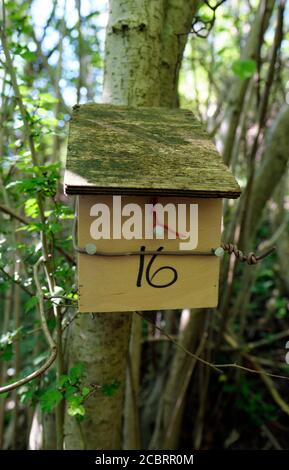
(239, 87)
(138, 72)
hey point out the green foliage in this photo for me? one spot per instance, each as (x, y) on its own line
(251, 401)
(30, 304)
(244, 68)
(110, 389)
(31, 208)
(50, 399)
(68, 387)
(44, 181)
(6, 344)
(48, 85)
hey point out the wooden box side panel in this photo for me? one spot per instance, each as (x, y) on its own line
(108, 284)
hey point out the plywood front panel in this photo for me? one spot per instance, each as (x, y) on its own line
(129, 283)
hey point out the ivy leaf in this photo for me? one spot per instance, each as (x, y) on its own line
(244, 68)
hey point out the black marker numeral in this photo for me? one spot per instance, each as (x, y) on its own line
(148, 275)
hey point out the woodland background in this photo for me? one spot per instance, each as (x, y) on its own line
(227, 61)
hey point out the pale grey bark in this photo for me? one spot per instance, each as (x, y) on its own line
(176, 27)
(131, 430)
(100, 342)
(145, 45)
(170, 410)
(272, 167)
(133, 46)
(239, 87)
(280, 225)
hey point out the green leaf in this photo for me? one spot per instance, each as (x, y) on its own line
(30, 304)
(75, 400)
(70, 391)
(244, 68)
(7, 353)
(110, 389)
(75, 373)
(63, 380)
(31, 208)
(50, 399)
(28, 55)
(85, 391)
(47, 98)
(76, 410)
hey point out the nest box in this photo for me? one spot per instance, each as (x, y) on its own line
(150, 186)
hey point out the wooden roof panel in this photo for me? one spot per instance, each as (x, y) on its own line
(123, 150)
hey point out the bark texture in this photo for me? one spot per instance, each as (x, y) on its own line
(144, 50)
(272, 168)
(100, 342)
(178, 16)
(239, 87)
(171, 407)
(133, 45)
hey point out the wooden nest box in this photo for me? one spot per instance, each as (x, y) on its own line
(118, 156)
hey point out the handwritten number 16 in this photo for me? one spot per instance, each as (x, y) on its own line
(149, 276)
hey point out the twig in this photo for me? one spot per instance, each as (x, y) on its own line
(181, 396)
(265, 341)
(23, 220)
(15, 281)
(234, 343)
(213, 366)
(271, 387)
(13, 214)
(216, 367)
(50, 341)
(47, 257)
(271, 437)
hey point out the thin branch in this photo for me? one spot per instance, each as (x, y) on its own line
(216, 368)
(23, 220)
(13, 214)
(15, 281)
(18, 97)
(50, 341)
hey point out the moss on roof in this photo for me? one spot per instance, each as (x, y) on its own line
(121, 150)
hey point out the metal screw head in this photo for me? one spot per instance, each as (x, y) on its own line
(90, 248)
(219, 251)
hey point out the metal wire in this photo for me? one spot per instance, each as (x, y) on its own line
(229, 248)
(251, 258)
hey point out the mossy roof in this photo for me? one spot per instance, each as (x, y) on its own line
(160, 151)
